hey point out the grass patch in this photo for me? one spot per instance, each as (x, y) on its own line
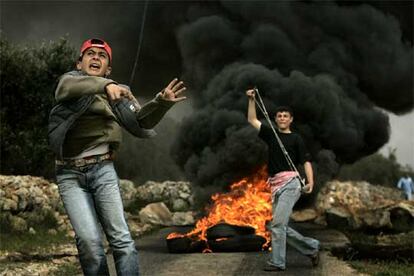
(68, 269)
(4, 266)
(15, 236)
(41, 242)
(41, 268)
(384, 267)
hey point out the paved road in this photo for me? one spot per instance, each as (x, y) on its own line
(156, 261)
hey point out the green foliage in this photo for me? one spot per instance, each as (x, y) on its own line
(68, 269)
(43, 217)
(28, 75)
(41, 242)
(375, 169)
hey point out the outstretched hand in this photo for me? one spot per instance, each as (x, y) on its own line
(173, 90)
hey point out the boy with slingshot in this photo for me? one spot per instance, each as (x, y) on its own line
(286, 150)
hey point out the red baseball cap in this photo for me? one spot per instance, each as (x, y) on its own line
(96, 42)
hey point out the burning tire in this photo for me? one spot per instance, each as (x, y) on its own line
(225, 230)
(221, 237)
(241, 243)
(185, 245)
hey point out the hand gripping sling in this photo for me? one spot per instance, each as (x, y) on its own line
(262, 108)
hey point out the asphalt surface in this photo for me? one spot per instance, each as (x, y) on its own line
(154, 258)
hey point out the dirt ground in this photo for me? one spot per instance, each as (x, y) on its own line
(155, 259)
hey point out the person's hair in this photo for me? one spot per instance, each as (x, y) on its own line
(284, 109)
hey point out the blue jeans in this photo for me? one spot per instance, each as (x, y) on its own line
(282, 207)
(93, 203)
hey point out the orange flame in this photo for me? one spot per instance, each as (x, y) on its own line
(247, 204)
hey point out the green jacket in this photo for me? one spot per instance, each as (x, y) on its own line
(98, 124)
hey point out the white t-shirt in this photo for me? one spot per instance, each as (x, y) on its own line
(95, 150)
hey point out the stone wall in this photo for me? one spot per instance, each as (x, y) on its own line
(160, 203)
(28, 201)
(176, 195)
(357, 205)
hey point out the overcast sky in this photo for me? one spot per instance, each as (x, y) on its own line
(402, 138)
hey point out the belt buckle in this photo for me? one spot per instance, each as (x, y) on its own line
(80, 163)
(90, 161)
(104, 157)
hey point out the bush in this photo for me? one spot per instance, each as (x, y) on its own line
(28, 75)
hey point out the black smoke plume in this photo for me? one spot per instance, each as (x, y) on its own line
(334, 65)
(334, 62)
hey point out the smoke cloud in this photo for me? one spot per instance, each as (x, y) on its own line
(333, 65)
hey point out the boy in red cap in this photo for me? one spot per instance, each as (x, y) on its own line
(83, 132)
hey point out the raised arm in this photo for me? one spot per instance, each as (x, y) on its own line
(251, 110)
(153, 111)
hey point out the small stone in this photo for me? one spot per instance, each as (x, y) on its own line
(32, 231)
(184, 195)
(22, 204)
(70, 234)
(128, 191)
(156, 213)
(183, 218)
(303, 215)
(191, 200)
(18, 224)
(52, 232)
(9, 204)
(180, 205)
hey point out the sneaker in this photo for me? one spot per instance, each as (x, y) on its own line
(274, 268)
(315, 259)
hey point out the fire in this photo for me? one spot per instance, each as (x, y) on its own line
(247, 204)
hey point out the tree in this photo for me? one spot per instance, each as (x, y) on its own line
(28, 75)
(375, 169)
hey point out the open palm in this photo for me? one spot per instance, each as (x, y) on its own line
(173, 91)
